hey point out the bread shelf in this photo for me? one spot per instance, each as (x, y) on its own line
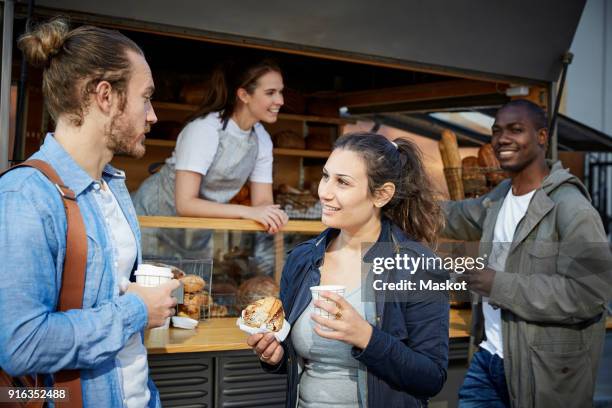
(309, 227)
(283, 116)
(323, 154)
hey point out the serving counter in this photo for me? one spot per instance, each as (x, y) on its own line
(222, 334)
(212, 366)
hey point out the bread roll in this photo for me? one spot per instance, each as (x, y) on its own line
(193, 283)
(176, 272)
(267, 311)
(191, 306)
(218, 311)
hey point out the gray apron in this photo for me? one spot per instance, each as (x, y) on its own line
(232, 164)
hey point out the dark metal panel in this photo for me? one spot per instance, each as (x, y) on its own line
(184, 380)
(242, 383)
(516, 39)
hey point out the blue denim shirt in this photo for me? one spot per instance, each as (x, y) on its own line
(34, 338)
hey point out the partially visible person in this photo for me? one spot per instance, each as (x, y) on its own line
(381, 349)
(97, 87)
(539, 307)
(217, 152)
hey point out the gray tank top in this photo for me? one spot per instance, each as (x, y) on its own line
(329, 378)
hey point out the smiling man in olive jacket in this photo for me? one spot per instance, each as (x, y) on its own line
(539, 308)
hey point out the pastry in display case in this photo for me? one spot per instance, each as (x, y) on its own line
(196, 278)
(246, 266)
(254, 289)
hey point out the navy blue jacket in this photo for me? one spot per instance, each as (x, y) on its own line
(407, 356)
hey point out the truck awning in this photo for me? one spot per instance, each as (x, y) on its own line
(572, 135)
(521, 40)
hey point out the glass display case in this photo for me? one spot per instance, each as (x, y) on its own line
(237, 259)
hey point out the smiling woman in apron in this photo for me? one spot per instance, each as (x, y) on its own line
(216, 153)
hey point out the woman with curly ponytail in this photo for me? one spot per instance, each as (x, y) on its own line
(413, 206)
(383, 345)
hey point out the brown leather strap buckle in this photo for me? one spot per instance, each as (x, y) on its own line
(65, 192)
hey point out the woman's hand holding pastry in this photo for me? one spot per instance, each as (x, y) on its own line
(270, 216)
(346, 323)
(266, 346)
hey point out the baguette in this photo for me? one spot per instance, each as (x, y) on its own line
(449, 141)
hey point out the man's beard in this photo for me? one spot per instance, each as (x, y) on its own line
(120, 136)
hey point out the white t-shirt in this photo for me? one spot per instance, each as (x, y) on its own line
(511, 213)
(132, 358)
(197, 143)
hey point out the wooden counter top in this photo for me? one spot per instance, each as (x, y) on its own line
(295, 226)
(223, 335)
(219, 334)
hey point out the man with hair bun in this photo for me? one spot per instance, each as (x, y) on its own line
(97, 87)
(539, 307)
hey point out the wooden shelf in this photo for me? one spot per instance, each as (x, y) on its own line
(309, 227)
(315, 119)
(160, 142)
(174, 106)
(324, 154)
(283, 116)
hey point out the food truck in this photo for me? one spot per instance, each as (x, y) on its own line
(412, 69)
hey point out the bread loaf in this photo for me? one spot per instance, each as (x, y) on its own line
(486, 157)
(256, 288)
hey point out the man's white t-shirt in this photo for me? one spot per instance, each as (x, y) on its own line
(132, 358)
(197, 143)
(511, 213)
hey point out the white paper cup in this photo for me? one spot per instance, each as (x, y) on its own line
(152, 276)
(316, 295)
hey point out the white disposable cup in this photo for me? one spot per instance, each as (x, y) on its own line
(316, 295)
(152, 276)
